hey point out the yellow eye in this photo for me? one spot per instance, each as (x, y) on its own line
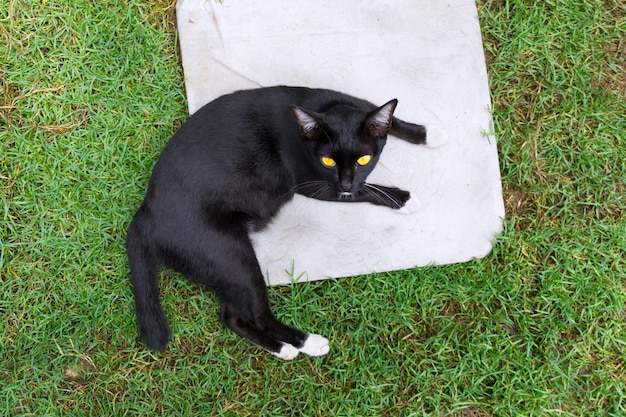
(364, 160)
(328, 162)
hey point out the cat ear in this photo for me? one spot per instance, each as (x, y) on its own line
(308, 123)
(379, 121)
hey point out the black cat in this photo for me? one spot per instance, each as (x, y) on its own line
(228, 170)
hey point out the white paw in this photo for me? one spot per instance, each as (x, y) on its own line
(435, 136)
(315, 345)
(410, 207)
(287, 352)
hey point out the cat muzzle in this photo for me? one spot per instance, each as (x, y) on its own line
(346, 187)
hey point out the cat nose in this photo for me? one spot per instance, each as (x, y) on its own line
(346, 185)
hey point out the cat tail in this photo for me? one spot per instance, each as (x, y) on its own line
(153, 327)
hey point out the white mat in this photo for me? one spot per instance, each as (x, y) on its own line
(426, 54)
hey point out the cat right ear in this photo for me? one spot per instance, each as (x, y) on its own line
(379, 120)
(308, 123)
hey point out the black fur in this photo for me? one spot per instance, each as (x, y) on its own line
(229, 169)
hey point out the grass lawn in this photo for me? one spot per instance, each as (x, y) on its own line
(91, 91)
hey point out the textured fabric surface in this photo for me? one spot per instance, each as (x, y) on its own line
(429, 56)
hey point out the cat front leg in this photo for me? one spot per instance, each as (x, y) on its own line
(381, 195)
(409, 132)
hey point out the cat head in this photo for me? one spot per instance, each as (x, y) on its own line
(345, 142)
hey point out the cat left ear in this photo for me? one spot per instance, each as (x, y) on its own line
(379, 121)
(308, 123)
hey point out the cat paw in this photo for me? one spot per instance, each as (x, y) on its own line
(411, 206)
(435, 136)
(315, 345)
(397, 198)
(287, 352)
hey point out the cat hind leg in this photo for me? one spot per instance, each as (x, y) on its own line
(307, 343)
(279, 339)
(231, 319)
(227, 263)
(249, 315)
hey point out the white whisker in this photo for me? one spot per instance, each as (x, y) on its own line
(380, 192)
(307, 185)
(314, 189)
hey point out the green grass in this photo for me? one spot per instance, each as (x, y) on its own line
(89, 94)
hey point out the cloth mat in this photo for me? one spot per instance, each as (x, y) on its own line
(429, 56)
